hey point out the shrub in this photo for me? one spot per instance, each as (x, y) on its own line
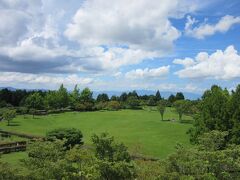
(72, 136)
(113, 105)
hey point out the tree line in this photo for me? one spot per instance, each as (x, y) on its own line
(79, 100)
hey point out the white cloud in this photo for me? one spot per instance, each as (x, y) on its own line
(148, 73)
(43, 79)
(138, 24)
(218, 65)
(185, 62)
(205, 29)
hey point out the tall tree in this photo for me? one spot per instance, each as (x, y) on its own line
(158, 96)
(63, 97)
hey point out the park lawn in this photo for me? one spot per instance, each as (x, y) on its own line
(141, 130)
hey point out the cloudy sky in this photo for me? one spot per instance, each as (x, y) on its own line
(177, 45)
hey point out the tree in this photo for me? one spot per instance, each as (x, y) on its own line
(75, 96)
(9, 115)
(162, 107)
(133, 102)
(179, 96)
(123, 97)
(63, 97)
(216, 113)
(35, 102)
(151, 101)
(52, 100)
(113, 105)
(86, 95)
(181, 107)
(114, 161)
(171, 98)
(102, 97)
(71, 135)
(158, 96)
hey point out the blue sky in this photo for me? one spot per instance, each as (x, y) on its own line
(179, 45)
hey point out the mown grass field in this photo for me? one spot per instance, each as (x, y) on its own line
(141, 130)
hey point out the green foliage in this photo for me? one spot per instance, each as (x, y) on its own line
(86, 95)
(158, 96)
(181, 107)
(34, 101)
(162, 107)
(71, 136)
(8, 115)
(179, 96)
(107, 149)
(113, 158)
(220, 111)
(63, 98)
(215, 162)
(46, 161)
(133, 102)
(113, 105)
(213, 141)
(151, 101)
(49, 160)
(171, 98)
(7, 172)
(102, 98)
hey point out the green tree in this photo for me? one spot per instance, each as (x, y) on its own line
(171, 99)
(133, 102)
(181, 106)
(86, 95)
(179, 96)
(215, 113)
(113, 105)
(161, 107)
(114, 161)
(63, 97)
(9, 115)
(102, 97)
(35, 102)
(235, 116)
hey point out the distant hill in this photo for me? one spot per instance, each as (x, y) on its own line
(165, 94)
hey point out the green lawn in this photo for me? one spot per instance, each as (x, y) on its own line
(141, 130)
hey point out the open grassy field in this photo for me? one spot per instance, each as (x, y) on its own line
(141, 130)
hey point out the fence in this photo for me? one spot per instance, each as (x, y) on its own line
(13, 147)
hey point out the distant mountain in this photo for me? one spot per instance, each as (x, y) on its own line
(9, 88)
(14, 89)
(165, 94)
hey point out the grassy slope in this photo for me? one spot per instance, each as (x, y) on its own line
(141, 130)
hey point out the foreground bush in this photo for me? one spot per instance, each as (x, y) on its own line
(108, 160)
(71, 136)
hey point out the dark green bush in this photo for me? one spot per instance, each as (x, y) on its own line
(71, 136)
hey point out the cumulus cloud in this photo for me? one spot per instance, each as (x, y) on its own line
(148, 73)
(218, 65)
(109, 35)
(205, 29)
(138, 23)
